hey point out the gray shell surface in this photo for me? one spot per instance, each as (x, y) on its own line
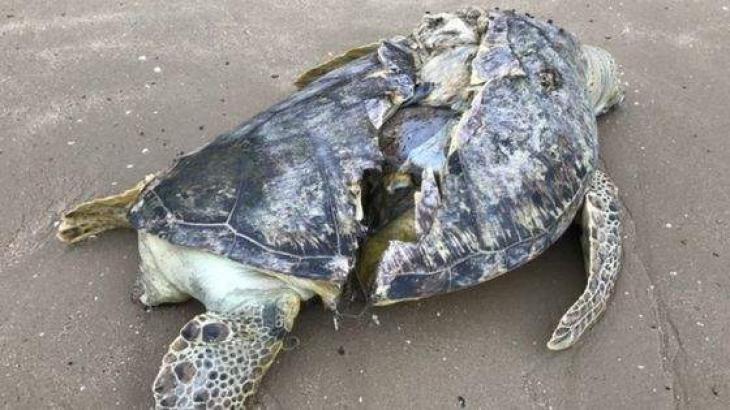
(490, 115)
(281, 192)
(518, 165)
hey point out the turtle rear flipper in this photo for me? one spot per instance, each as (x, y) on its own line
(99, 215)
(602, 252)
(219, 358)
(334, 63)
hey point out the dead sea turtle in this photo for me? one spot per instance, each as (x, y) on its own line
(426, 164)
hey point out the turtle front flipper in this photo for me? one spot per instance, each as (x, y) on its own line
(602, 252)
(219, 358)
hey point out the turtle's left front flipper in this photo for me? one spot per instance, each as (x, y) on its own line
(602, 253)
(219, 359)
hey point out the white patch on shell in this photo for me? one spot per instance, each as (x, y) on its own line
(450, 73)
(379, 110)
(445, 30)
(281, 221)
(430, 154)
(427, 202)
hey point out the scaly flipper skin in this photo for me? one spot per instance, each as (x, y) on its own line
(219, 358)
(603, 79)
(98, 215)
(602, 252)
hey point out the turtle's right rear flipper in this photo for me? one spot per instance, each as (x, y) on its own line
(602, 251)
(98, 215)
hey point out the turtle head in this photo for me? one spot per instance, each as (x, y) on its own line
(602, 79)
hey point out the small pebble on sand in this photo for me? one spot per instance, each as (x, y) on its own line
(157, 69)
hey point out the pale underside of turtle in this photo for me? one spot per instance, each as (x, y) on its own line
(424, 164)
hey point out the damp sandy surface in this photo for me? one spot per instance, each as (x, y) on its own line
(95, 96)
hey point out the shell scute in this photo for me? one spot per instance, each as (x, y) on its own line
(518, 165)
(276, 193)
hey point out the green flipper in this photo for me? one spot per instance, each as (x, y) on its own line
(219, 359)
(336, 62)
(602, 252)
(98, 215)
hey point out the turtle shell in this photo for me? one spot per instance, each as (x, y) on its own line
(519, 162)
(281, 192)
